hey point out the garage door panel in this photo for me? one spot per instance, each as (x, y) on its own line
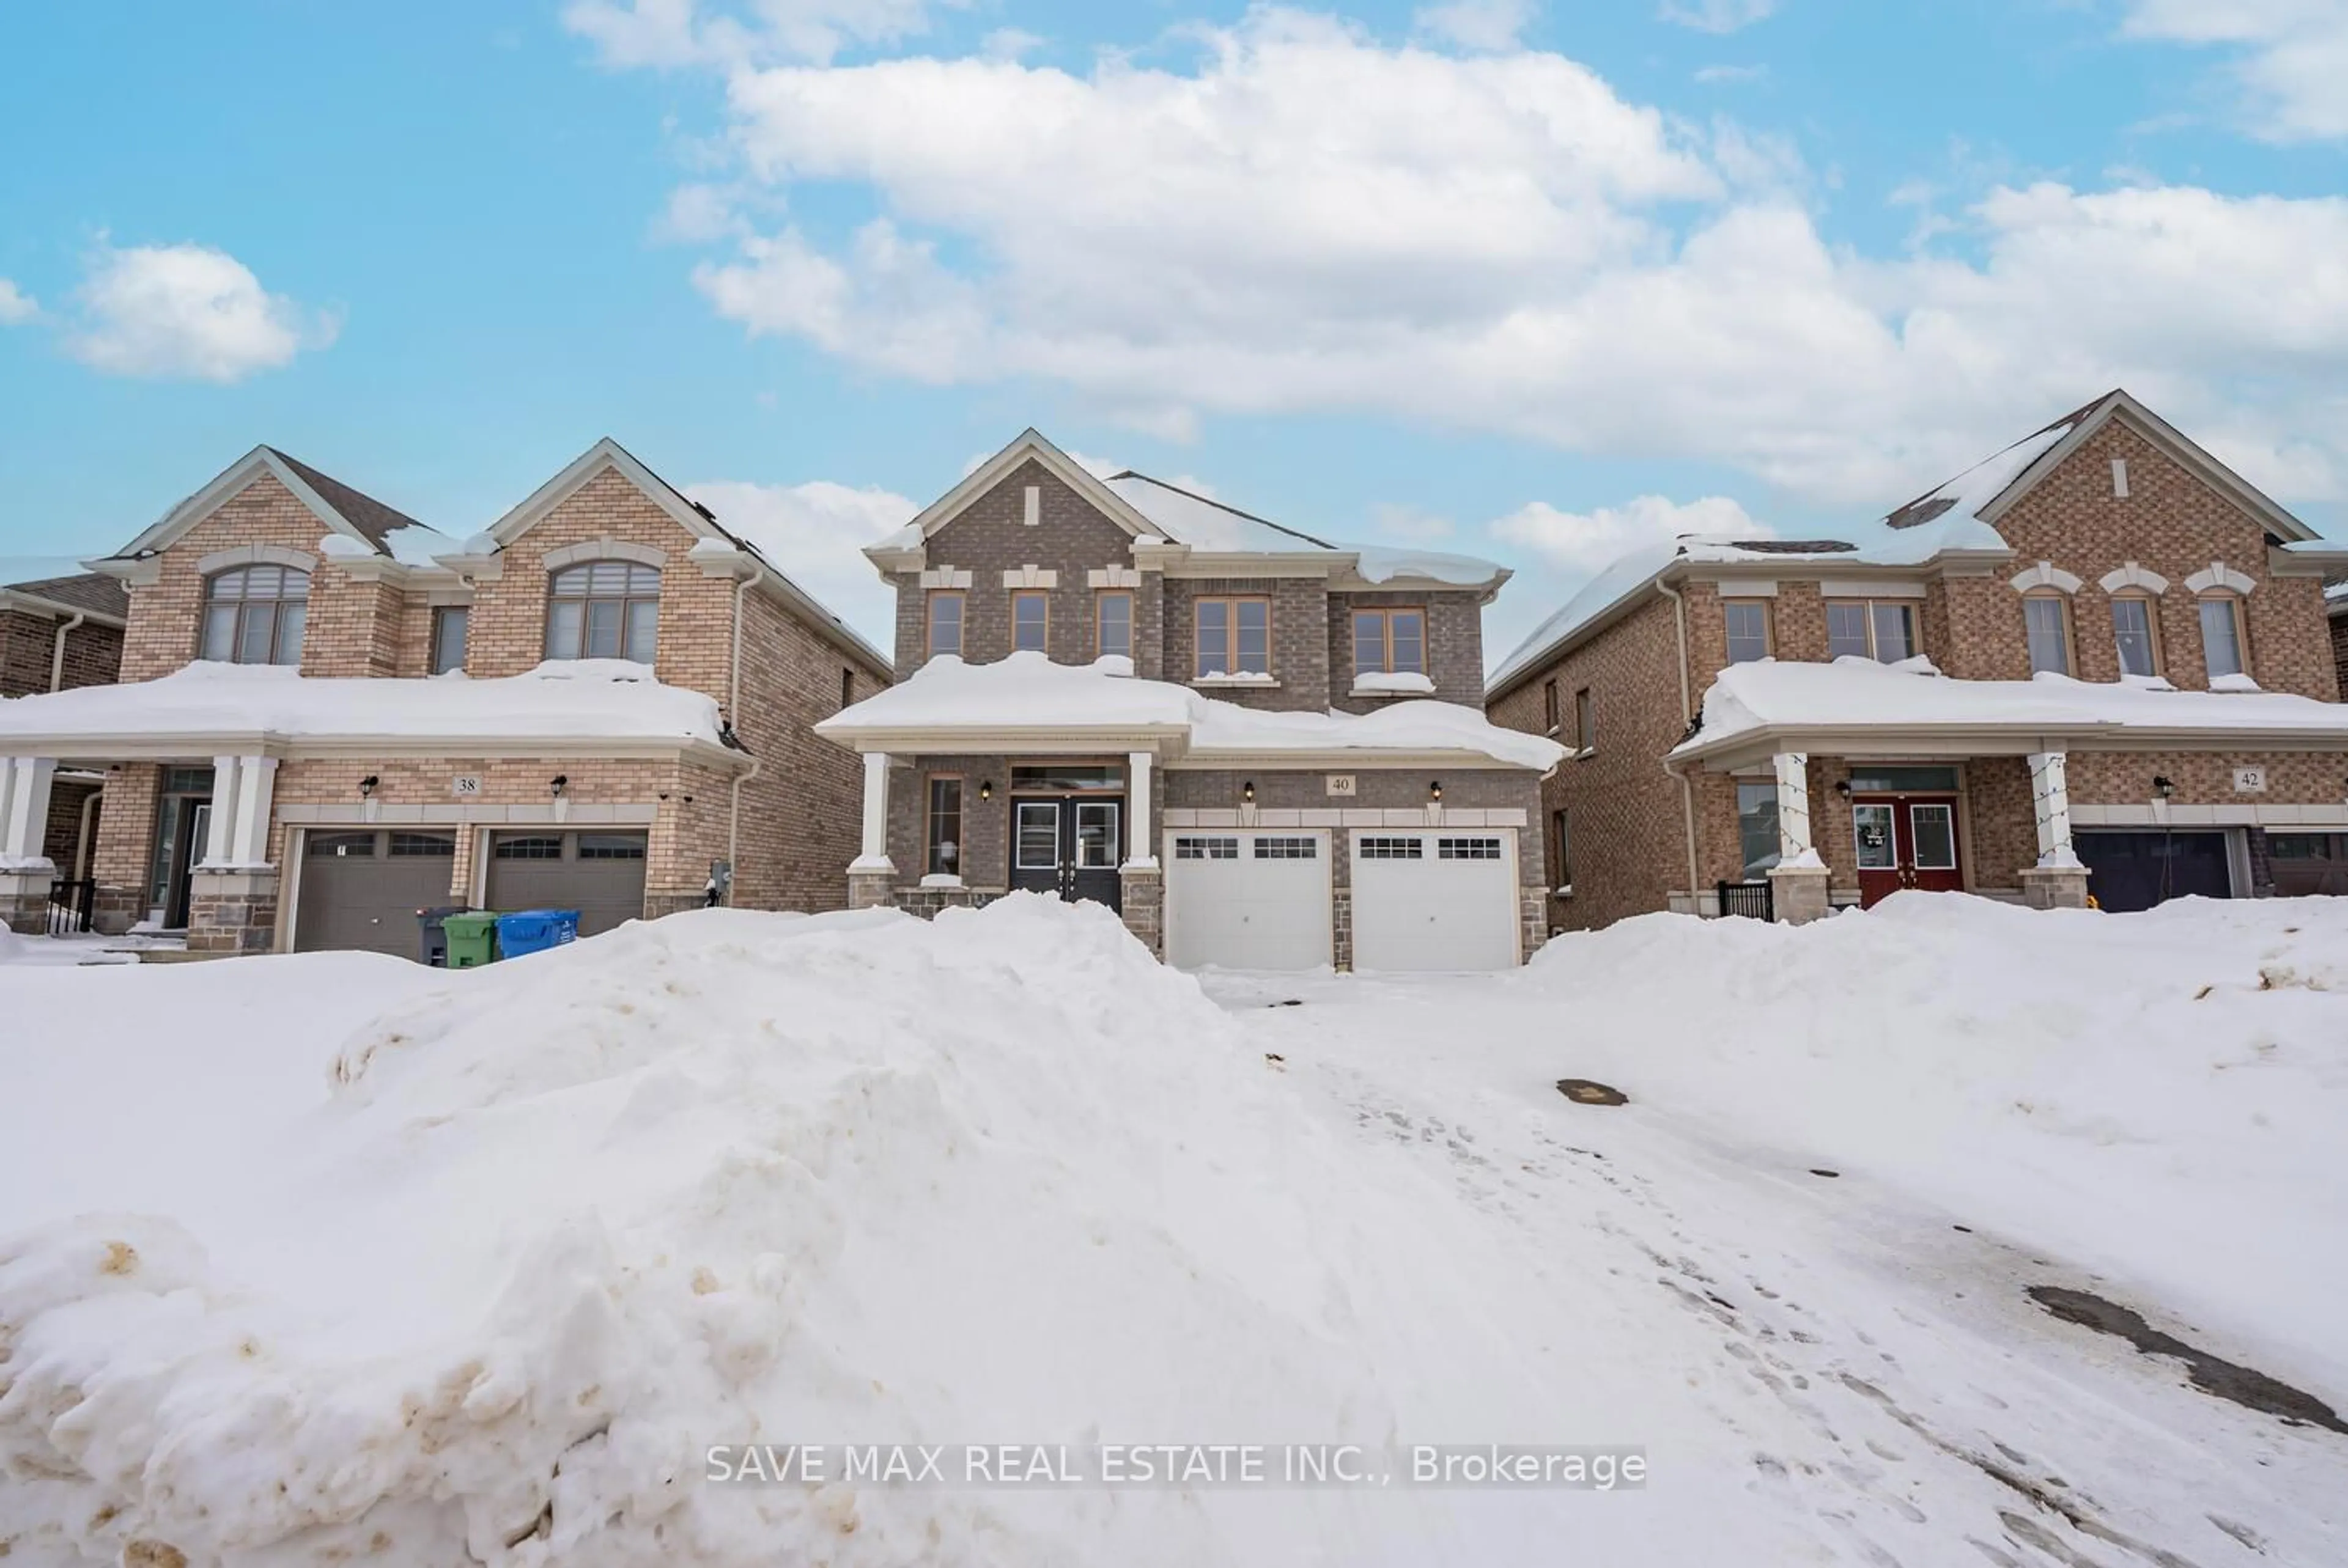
(601, 874)
(1244, 899)
(360, 889)
(2130, 871)
(1434, 900)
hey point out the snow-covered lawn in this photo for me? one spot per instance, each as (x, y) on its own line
(330, 1258)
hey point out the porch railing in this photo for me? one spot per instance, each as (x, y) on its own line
(1755, 900)
(71, 904)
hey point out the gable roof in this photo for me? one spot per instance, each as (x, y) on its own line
(86, 593)
(1188, 517)
(341, 508)
(1029, 443)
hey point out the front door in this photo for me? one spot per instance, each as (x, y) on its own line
(1069, 847)
(1906, 841)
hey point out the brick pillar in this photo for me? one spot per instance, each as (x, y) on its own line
(871, 889)
(2055, 886)
(1799, 893)
(25, 900)
(1143, 903)
(232, 911)
(1533, 914)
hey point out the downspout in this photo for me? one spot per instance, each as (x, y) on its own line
(1687, 789)
(57, 657)
(81, 843)
(734, 717)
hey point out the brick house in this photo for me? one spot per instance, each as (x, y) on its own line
(1264, 750)
(2097, 664)
(332, 714)
(56, 634)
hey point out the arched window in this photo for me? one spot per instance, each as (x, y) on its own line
(603, 609)
(2046, 624)
(2221, 636)
(255, 614)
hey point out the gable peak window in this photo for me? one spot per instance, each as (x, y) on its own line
(449, 625)
(1234, 637)
(256, 615)
(2045, 621)
(1031, 621)
(1747, 621)
(1390, 642)
(945, 622)
(1113, 624)
(2133, 635)
(1878, 629)
(2222, 635)
(603, 609)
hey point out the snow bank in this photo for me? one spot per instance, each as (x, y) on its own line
(493, 1281)
(2158, 1096)
(1858, 692)
(583, 699)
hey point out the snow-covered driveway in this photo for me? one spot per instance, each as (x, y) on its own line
(333, 1258)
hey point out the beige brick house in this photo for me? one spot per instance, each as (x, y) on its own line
(1265, 750)
(332, 714)
(2096, 664)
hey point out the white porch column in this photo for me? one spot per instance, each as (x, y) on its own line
(874, 853)
(256, 787)
(24, 822)
(1793, 841)
(2050, 796)
(219, 829)
(1141, 842)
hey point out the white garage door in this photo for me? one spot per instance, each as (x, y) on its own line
(1247, 900)
(1434, 900)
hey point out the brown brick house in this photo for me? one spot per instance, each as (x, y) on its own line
(2096, 664)
(1265, 750)
(333, 714)
(58, 634)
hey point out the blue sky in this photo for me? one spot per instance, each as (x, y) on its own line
(1540, 281)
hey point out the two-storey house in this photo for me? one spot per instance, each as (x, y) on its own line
(2095, 665)
(332, 715)
(1263, 749)
(58, 633)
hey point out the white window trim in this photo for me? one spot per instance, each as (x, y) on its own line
(2045, 574)
(1113, 577)
(604, 548)
(945, 577)
(1030, 576)
(2128, 574)
(220, 561)
(1862, 589)
(2219, 576)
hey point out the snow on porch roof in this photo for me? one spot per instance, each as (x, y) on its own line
(1027, 693)
(575, 699)
(1853, 694)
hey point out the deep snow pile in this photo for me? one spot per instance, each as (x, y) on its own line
(2158, 1095)
(726, 1178)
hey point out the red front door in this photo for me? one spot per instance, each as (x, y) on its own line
(1905, 841)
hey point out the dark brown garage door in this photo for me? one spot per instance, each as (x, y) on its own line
(361, 889)
(601, 874)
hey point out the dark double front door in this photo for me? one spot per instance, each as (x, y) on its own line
(1069, 845)
(1906, 841)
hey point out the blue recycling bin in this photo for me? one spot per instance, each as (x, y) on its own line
(535, 931)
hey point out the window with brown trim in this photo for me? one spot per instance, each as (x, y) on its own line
(2222, 653)
(603, 609)
(1031, 621)
(1234, 637)
(1553, 710)
(1390, 642)
(2136, 634)
(943, 833)
(2046, 626)
(1746, 622)
(449, 625)
(1878, 629)
(945, 614)
(1113, 624)
(256, 615)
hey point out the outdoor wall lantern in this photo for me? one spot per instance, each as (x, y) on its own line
(986, 789)
(1842, 788)
(2161, 786)
(1247, 792)
(367, 786)
(1434, 791)
(559, 782)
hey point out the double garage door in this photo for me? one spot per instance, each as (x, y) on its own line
(361, 887)
(1422, 900)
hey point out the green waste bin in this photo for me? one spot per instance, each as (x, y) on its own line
(472, 938)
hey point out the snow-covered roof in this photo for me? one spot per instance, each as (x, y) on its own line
(573, 700)
(1209, 525)
(1853, 694)
(1027, 693)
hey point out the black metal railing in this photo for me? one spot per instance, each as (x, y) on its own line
(70, 905)
(1755, 900)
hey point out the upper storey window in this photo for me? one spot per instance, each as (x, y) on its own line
(1113, 624)
(2132, 632)
(1390, 642)
(1882, 629)
(1747, 621)
(2046, 622)
(2222, 635)
(1234, 637)
(255, 614)
(945, 623)
(603, 609)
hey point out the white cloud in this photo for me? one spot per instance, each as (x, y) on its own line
(816, 532)
(670, 32)
(188, 311)
(1712, 75)
(1716, 15)
(1581, 543)
(2292, 55)
(1307, 219)
(16, 307)
(1476, 24)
